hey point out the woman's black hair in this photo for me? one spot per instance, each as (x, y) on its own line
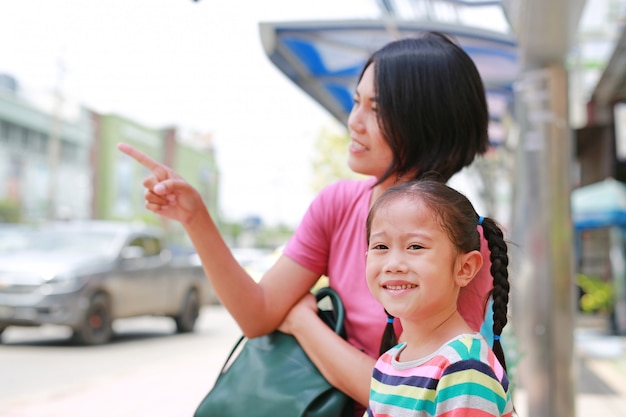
(459, 219)
(432, 107)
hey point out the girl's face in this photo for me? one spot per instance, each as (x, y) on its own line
(413, 269)
(369, 153)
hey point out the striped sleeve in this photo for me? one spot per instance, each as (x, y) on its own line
(471, 386)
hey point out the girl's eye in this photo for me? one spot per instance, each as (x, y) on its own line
(380, 246)
(415, 246)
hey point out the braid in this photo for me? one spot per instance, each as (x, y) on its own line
(499, 263)
(389, 338)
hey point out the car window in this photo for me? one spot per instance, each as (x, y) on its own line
(150, 246)
(153, 246)
(61, 240)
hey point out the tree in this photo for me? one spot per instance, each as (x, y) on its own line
(9, 212)
(330, 158)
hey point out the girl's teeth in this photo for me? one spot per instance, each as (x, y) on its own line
(400, 287)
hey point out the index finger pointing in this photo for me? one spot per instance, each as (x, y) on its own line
(139, 156)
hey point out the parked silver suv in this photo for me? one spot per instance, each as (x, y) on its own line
(87, 274)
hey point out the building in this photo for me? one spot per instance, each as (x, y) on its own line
(65, 164)
(44, 157)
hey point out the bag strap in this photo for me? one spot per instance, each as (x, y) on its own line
(232, 352)
(338, 308)
(338, 311)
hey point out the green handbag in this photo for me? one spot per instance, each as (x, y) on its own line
(273, 377)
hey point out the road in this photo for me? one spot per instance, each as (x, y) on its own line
(146, 370)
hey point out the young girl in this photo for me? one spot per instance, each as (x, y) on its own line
(423, 247)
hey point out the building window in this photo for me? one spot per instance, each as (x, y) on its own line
(23, 137)
(4, 131)
(13, 135)
(36, 142)
(69, 152)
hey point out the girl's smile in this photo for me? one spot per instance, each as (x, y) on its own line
(398, 286)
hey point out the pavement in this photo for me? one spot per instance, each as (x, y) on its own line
(599, 373)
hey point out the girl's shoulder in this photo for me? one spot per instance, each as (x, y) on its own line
(471, 349)
(467, 346)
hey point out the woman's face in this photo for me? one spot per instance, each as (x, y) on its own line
(369, 153)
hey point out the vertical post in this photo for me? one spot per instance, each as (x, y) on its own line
(54, 151)
(617, 259)
(54, 146)
(542, 250)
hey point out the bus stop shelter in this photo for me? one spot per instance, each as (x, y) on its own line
(325, 58)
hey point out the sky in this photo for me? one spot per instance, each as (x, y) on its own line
(197, 65)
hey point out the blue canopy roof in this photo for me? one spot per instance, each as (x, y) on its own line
(325, 58)
(602, 204)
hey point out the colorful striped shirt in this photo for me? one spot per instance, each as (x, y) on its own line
(462, 378)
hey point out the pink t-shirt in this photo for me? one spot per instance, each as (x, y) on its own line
(331, 240)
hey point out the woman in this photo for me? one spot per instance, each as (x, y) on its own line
(419, 107)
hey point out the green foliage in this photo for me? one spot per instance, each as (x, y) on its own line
(271, 237)
(9, 212)
(330, 161)
(231, 232)
(598, 294)
(263, 237)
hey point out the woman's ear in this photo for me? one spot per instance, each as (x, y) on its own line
(469, 265)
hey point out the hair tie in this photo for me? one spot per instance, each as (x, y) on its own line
(496, 337)
(390, 319)
(480, 220)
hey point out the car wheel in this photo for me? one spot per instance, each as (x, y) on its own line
(189, 311)
(96, 328)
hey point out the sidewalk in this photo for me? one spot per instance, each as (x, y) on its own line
(600, 374)
(173, 386)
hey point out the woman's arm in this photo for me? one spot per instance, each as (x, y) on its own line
(257, 308)
(344, 366)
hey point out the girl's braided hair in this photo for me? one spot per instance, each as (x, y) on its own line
(459, 219)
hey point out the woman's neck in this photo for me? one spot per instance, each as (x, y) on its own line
(379, 189)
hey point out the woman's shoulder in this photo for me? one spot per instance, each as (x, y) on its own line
(350, 184)
(347, 188)
(337, 200)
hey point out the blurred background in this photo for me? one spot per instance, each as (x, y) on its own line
(248, 100)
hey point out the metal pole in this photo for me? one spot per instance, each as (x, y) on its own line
(542, 250)
(54, 145)
(617, 259)
(54, 151)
